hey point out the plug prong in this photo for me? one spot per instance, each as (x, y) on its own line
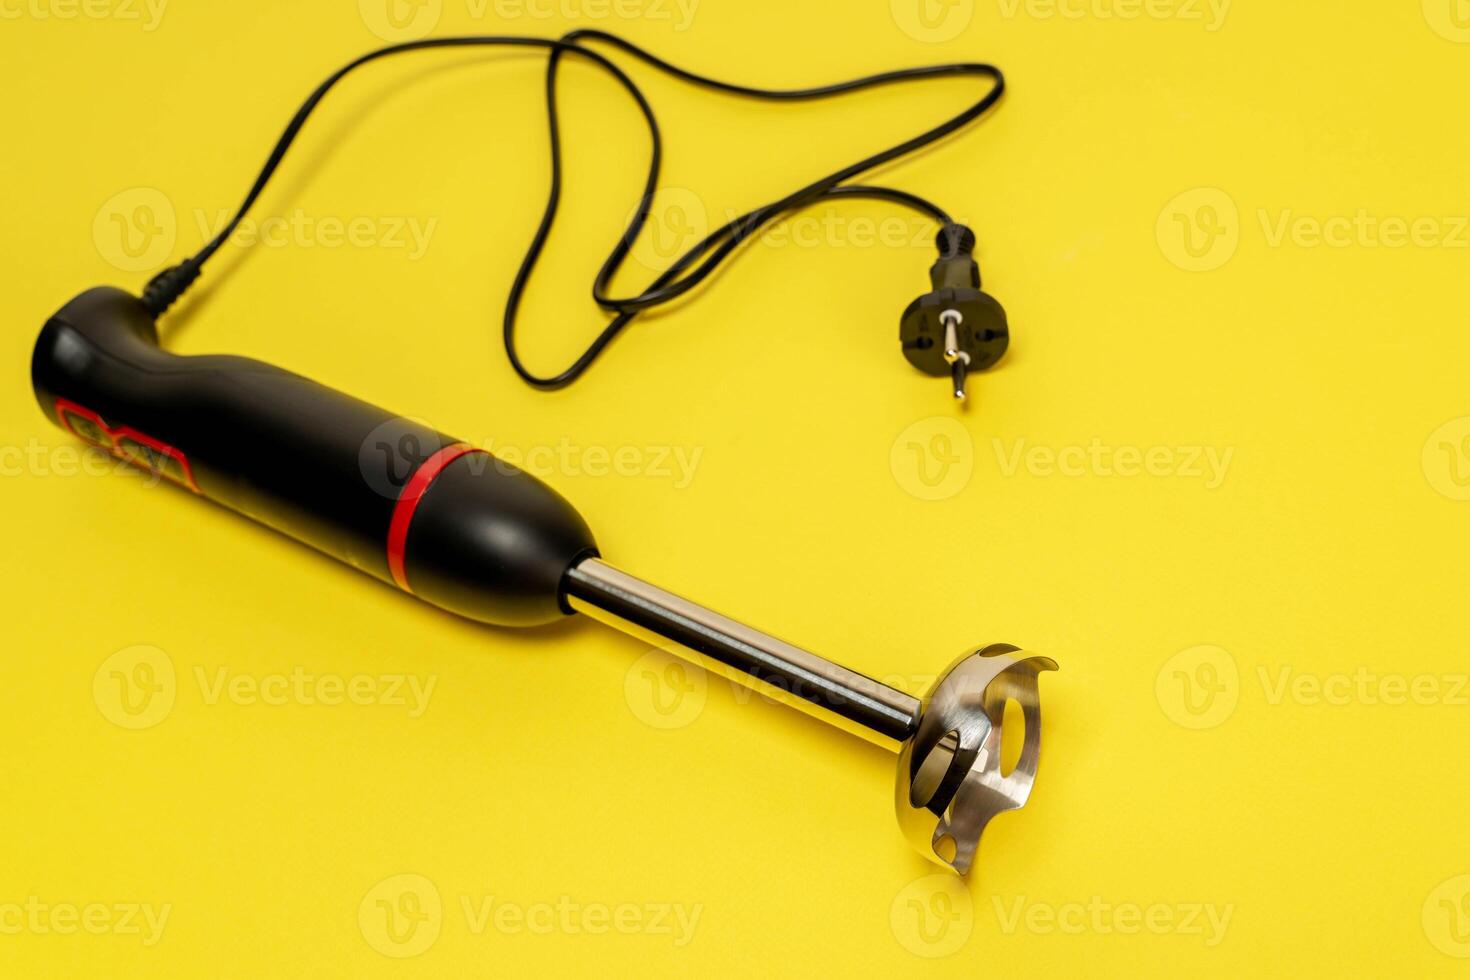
(952, 320)
(959, 360)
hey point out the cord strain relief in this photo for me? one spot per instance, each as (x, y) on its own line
(955, 240)
(164, 289)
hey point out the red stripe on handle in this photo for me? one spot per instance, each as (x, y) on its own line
(408, 502)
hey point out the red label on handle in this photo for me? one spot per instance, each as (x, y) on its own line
(127, 444)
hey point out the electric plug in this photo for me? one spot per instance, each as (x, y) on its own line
(956, 328)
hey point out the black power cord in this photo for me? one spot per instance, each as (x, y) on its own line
(956, 242)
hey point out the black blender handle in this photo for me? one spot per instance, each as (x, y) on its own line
(394, 498)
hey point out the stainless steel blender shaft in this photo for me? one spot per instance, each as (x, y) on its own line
(843, 697)
(953, 774)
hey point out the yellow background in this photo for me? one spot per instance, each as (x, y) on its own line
(1330, 829)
